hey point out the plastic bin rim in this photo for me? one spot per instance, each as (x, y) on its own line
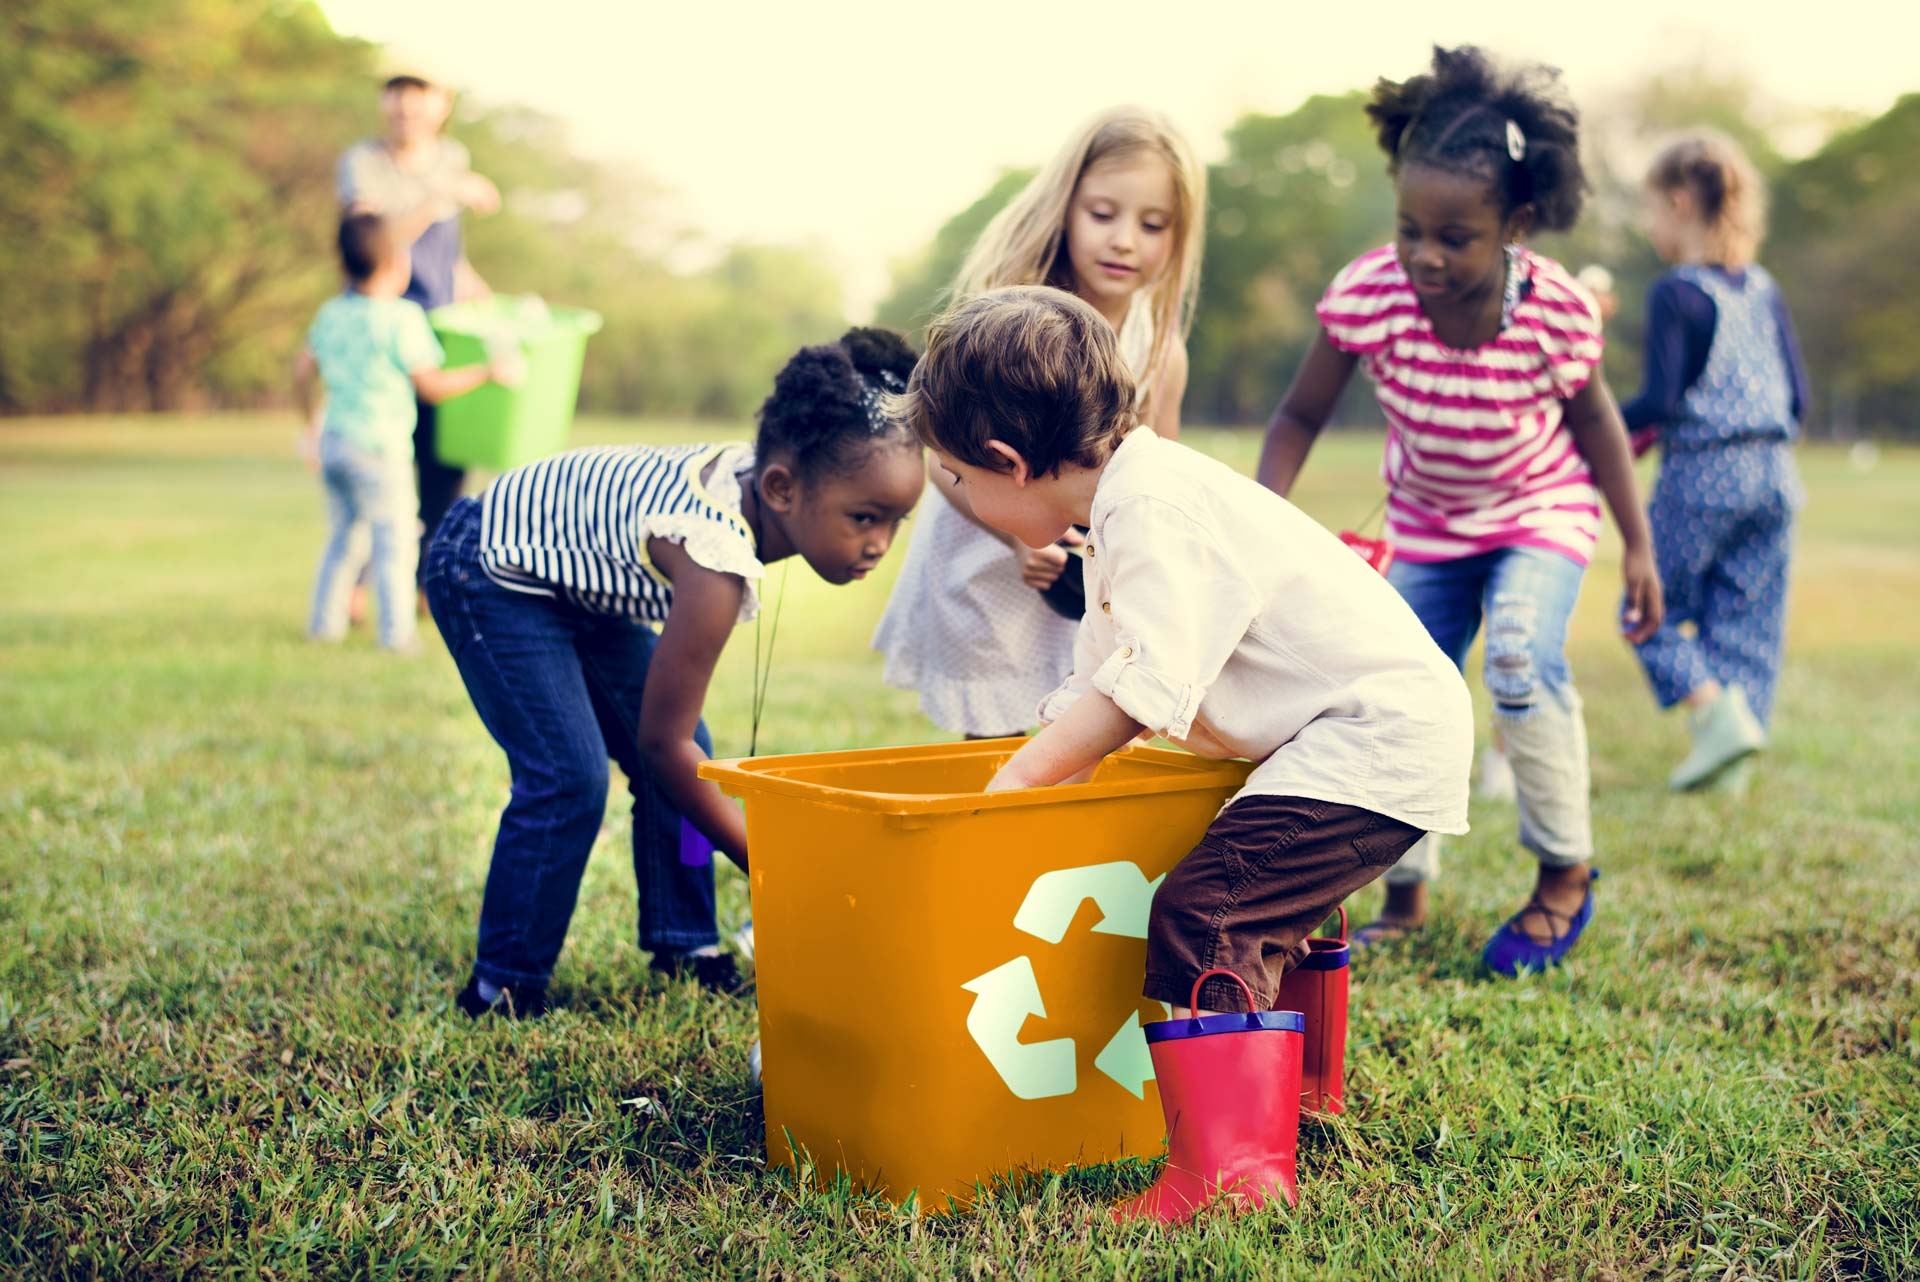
(576, 320)
(740, 776)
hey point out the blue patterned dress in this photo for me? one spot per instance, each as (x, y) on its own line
(1723, 508)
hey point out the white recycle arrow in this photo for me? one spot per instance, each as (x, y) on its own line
(1005, 996)
(1126, 1058)
(1121, 890)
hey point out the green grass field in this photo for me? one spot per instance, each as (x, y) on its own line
(239, 873)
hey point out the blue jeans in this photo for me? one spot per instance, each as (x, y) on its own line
(559, 689)
(375, 491)
(1525, 597)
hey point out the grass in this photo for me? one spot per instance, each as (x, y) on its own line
(238, 878)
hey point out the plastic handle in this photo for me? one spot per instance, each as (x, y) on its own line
(1342, 910)
(1193, 999)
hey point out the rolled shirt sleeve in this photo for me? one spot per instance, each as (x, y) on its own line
(1178, 607)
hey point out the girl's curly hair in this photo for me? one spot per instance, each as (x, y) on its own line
(1469, 113)
(825, 412)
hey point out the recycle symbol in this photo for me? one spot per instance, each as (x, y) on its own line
(1006, 995)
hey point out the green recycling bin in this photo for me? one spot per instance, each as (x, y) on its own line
(499, 427)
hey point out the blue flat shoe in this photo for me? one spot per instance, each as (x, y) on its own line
(1512, 950)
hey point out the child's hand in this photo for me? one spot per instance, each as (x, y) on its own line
(310, 447)
(1008, 779)
(1041, 567)
(1645, 605)
(508, 368)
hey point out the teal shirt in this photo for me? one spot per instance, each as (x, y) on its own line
(367, 350)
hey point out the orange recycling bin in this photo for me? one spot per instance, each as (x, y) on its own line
(949, 981)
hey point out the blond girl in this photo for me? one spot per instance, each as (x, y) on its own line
(1116, 218)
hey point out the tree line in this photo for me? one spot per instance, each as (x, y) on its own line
(169, 214)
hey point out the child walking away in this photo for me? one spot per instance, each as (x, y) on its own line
(1227, 620)
(1724, 393)
(548, 587)
(1115, 218)
(376, 355)
(1485, 358)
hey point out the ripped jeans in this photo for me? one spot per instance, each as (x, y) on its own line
(1525, 596)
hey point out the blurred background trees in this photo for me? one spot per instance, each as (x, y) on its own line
(168, 215)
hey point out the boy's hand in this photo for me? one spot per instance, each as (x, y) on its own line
(508, 368)
(1645, 604)
(1040, 568)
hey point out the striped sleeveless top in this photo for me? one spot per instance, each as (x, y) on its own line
(576, 525)
(1478, 453)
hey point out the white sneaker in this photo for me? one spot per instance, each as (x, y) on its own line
(753, 1061)
(743, 940)
(1496, 776)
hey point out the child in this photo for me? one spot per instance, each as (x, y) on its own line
(376, 354)
(1220, 616)
(1724, 393)
(1116, 218)
(548, 587)
(1485, 357)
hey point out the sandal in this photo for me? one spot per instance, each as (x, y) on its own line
(1378, 932)
(1512, 950)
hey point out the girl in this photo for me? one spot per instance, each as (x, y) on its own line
(547, 588)
(1485, 357)
(1724, 392)
(1116, 218)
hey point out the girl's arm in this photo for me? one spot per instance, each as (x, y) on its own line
(706, 604)
(1601, 438)
(1067, 750)
(1302, 412)
(1168, 392)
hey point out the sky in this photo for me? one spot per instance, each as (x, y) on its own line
(859, 127)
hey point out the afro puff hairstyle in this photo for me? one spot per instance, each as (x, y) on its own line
(825, 413)
(1456, 118)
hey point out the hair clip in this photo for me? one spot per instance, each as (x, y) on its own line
(1516, 143)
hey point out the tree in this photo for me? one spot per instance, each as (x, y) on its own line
(169, 194)
(920, 286)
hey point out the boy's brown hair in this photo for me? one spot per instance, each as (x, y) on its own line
(365, 243)
(1028, 365)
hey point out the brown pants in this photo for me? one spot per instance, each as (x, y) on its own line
(1267, 872)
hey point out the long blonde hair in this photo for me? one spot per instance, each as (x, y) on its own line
(1026, 243)
(1727, 191)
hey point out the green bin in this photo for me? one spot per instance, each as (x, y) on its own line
(499, 427)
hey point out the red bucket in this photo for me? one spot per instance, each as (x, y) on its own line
(1317, 988)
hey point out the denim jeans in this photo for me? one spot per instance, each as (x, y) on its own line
(375, 491)
(1525, 597)
(559, 689)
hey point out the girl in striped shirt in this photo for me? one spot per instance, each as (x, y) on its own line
(548, 588)
(1485, 358)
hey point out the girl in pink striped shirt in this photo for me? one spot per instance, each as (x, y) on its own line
(1485, 358)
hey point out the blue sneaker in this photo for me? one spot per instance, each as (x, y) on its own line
(1512, 950)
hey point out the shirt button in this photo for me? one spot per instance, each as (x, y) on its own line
(1107, 606)
(1089, 549)
(1126, 652)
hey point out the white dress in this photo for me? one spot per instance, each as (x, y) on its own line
(981, 647)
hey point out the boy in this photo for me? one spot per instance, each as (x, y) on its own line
(1218, 615)
(376, 353)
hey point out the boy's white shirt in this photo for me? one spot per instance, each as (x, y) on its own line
(1224, 618)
